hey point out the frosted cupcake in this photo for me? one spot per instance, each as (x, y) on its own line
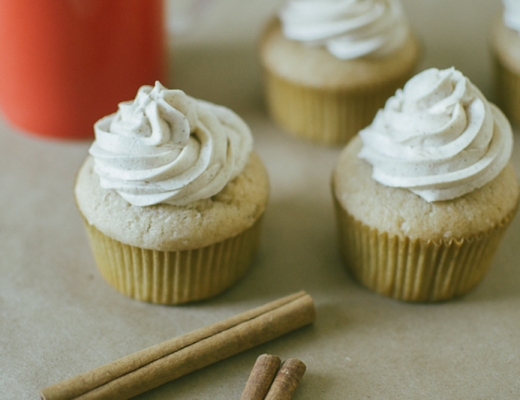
(331, 64)
(424, 194)
(506, 52)
(172, 197)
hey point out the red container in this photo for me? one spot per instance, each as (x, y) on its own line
(66, 63)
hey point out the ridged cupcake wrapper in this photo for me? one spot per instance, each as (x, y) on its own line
(507, 90)
(325, 116)
(413, 269)
(173, 277)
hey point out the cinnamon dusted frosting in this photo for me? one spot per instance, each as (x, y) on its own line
(167, 147)
(438, 137)
(349, 29)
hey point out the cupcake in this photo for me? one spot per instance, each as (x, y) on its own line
(172, 197)
(329, 65)
(424, 194)
(506, 55)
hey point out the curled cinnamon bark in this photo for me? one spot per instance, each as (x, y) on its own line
(156, 365)
(286, 380)
(261, 377)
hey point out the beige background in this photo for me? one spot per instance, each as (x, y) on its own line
(59, 318)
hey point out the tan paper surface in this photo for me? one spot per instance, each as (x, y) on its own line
(59, 318)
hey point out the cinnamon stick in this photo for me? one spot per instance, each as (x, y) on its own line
(287, 380)
(261, 377)
(156, 365)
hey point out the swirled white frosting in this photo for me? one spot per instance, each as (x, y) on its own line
(349, 29)
(438, 137)
(166, 147)
(511, 14)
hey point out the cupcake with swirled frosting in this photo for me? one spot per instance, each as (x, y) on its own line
(331, 64)
(506, 55)
(425, 193)
(172, 197)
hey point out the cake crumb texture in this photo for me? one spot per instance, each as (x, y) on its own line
(400, 212)
(314, 66)
(171, 228)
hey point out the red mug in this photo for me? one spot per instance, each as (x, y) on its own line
(66, 63)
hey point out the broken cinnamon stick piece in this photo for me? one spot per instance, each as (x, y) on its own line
(156, 365)
(261, 377)
(286, 380)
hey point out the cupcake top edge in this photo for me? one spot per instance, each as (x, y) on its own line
(438, 137)
(167, 147)
(349, 29)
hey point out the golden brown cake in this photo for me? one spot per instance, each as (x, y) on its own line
(327, 87)
(172, 217)
(422, 207)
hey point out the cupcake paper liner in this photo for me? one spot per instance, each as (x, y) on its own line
(507, 90)
(325, 116)
(173, 277)
(414, 269)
